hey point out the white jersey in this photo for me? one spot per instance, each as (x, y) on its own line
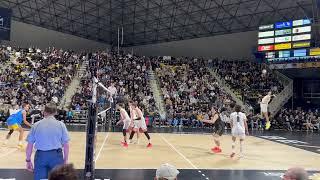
(266, 99)
(238, 123)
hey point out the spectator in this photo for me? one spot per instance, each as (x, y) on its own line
(166, 172)
(63, 172)
(296, 173)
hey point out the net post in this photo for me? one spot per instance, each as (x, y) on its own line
(89, 169)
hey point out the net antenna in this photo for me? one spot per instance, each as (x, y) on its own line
(92, 125)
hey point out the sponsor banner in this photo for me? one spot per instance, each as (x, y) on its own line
(265, 27)
(5, 23)
(282, 39)
(295, 65)
(301, 44)
(283, 32)
(266, 48)
(266, 34)
(315, 52)
(301, 22)
(282, 46)
(266, 41)
(301, 37)
(283, 25)
(301, 30)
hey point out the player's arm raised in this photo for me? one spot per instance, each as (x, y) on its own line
(24, 115)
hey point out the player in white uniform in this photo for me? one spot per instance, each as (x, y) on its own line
(139, 123)
(133, 115)
(125, 118)
(264, 108)
(239, 128)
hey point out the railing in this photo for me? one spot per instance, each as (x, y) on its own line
(228, 90)
(281, 99)
(157, 94)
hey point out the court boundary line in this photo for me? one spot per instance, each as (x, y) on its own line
(9, 152)
(184, 157)
(102, 145)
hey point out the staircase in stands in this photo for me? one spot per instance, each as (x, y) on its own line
(157, 94)
(281, 98)
(72, 88)
(275, 105)
(225, 86)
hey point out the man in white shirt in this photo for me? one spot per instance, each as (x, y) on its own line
(239, 128)
(112, 89)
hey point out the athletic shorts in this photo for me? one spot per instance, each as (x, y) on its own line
(240, 133)
(14, 126)
(126, 124)
(218, 128)
(139, 125)
(264, 108)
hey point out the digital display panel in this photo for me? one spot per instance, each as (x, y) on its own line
(301, 37)
(301, 30)
(315, 52)
(283, 25)
(301, 44)
(266, 27)
(270, 55)
(266, 41)
(282, 46)
(282, 39)
(300, 53)
(266, 34)
(283, 32)
(266, 48)
(301, 22)
(284, 54)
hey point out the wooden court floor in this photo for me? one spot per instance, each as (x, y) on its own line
(185, 151)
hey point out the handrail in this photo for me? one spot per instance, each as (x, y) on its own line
(227, 88)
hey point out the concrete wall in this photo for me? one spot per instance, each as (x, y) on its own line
(26, 35)
(230, 46)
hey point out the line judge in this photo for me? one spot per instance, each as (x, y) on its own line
(48, 136)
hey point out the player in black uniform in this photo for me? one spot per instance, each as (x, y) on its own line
(218, 127)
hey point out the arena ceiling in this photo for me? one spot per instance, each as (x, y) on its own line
(154, 21)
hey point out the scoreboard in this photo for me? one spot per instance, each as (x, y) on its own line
(5, 23)
(287, 40)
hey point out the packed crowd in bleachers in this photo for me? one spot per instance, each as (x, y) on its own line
(297, 119)
(188, 88)
(189, 91)
(126, 74)
(247, 80)
(37, 76)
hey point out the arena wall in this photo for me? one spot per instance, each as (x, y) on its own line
(26, 35)
(230, 46)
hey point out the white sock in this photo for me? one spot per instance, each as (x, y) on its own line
(241, 147)
(20, 143)
(233, 147)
